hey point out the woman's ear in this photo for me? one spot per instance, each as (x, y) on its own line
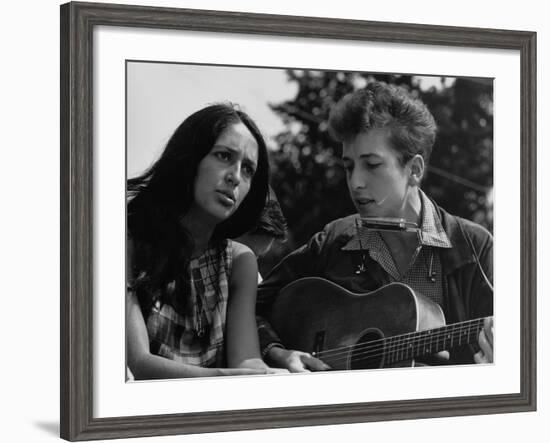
(417, 170)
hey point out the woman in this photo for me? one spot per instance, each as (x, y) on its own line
(191, 293)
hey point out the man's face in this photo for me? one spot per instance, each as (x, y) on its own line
(378, 184)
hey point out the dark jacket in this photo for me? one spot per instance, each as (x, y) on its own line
(466, 294)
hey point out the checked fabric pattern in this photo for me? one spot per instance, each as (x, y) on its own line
(196, 337)
(424, 273)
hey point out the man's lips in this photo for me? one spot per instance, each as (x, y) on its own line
(363, 200)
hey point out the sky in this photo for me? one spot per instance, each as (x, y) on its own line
(162, 95)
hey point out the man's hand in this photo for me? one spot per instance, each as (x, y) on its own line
(295, 361)
(485, 341)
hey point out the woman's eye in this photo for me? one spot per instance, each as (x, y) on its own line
(222, 155)
(373, 165)
(249, 171)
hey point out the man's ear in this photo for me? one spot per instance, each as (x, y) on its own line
(417, 166)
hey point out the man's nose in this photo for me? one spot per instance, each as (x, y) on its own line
(358, 180)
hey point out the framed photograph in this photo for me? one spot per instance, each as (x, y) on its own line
(131, 75)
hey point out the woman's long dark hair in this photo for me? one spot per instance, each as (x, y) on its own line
(159, 198)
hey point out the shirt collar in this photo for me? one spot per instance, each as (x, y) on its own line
(431, 231)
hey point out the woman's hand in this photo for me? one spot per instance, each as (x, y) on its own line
(251, 371)
(295, 361)
(241, 371)
(259, 364)
(485, 341)
(271, 370)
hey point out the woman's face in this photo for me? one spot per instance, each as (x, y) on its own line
(378, 184)
(225, 174)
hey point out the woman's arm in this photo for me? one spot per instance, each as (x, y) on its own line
(145, 365)
(243, 349)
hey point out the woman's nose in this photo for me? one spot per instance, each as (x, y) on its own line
(234, 174)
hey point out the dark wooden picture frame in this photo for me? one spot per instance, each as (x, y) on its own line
(77, 217)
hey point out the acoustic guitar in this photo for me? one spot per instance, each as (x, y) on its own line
(389, 327)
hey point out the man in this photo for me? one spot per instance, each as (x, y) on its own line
(387, 137)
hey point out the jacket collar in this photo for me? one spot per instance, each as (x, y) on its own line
(460, 254)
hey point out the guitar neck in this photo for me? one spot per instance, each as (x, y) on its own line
(431, 341)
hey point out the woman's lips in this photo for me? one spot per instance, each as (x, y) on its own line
(226, 198)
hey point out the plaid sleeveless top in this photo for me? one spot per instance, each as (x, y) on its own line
(195, 337)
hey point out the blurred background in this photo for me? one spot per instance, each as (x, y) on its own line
(291, 108)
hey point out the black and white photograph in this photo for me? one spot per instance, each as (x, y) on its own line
(273, 221)
(285, 220)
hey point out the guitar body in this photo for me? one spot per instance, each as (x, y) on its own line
(317, 316)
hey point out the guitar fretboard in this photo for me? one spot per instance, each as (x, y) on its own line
(431, 341)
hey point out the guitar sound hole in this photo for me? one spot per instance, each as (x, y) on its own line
(368, 352)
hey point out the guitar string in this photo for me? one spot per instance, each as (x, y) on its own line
(420, 335)
(401, 355)
(393, 355)
(373, 353)
(398, 342)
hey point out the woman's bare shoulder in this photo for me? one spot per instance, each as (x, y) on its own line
(240, 250)
(244, 264)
